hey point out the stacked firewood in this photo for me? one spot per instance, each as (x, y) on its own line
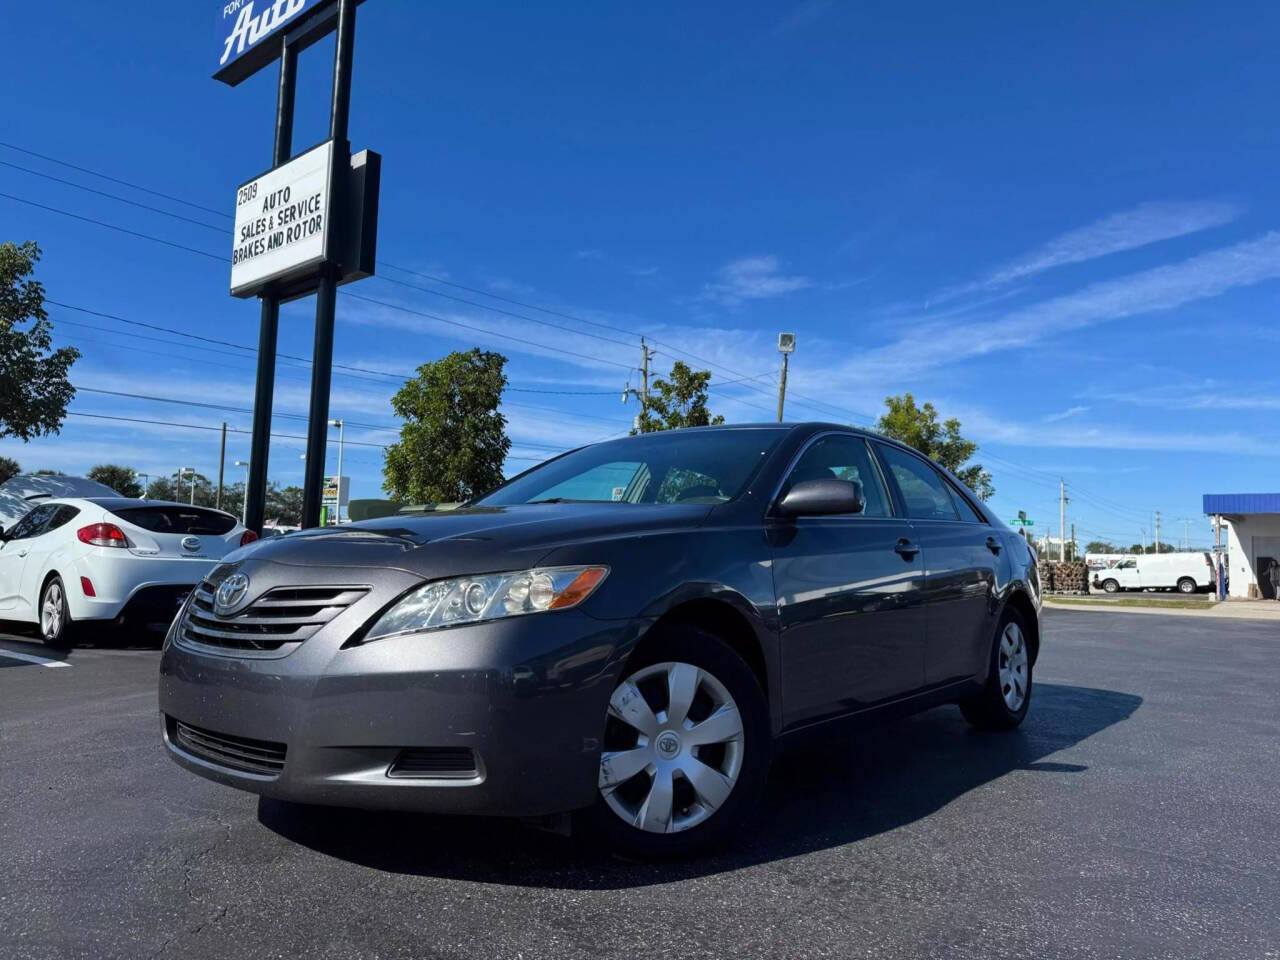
(1069, 577)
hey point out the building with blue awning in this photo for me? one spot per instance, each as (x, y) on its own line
(1252, 526)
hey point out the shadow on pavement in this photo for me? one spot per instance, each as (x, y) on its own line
(821, 795)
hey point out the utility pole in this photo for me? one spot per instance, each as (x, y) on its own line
(786, 347)
(1157, 533)
(222, 463)
(1186, 533)
(1062, 520)
(643, 393)
(1075, 553)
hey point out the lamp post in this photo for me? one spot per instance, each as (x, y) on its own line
(338, 507)
(192, 471)
(786, 347)
(146, 482)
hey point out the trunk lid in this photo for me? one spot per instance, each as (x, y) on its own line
(174, 531)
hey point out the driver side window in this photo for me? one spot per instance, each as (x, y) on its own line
(841, 457)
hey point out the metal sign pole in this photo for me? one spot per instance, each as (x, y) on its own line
(255, 493)
(327, 292)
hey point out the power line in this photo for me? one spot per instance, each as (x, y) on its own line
(123, 183)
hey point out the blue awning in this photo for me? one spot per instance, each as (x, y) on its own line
(1240, 503)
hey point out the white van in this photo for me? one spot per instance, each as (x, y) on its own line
(1184, 572)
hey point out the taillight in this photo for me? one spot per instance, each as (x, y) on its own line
(248, 538)
(102, 535)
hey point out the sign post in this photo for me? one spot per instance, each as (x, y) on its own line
(303, 226)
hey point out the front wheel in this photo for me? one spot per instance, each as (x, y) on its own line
(1005, 698)
(686, 747)
(1110, 586)
(55, 619)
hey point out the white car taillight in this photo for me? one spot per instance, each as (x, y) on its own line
(102, 535)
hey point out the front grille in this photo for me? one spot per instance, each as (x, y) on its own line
(435, 762)
(238, 753)
(285, 615)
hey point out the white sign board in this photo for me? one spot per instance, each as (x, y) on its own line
(282, 222)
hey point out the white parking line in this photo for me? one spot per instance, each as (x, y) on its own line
(32, 658)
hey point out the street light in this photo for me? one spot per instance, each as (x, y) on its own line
(786, 347)
(146, 482)
(244, 500)
(182, 473)
(341, 430)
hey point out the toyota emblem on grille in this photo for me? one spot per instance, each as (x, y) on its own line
(230, 593)
(191, 543)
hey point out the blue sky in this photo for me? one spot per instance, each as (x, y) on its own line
(1058, 222)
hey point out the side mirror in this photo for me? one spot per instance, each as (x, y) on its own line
(822, 498)
(4, 535)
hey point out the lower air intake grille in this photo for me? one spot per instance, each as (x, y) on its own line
(237, 753)
(435, 763)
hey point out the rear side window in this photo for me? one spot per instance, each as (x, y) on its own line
(841, 457)
(33, 524)
(62, 516)
(922, 487)
(183, 520)
(967, 512)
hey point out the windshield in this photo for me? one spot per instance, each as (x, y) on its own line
(685, 466)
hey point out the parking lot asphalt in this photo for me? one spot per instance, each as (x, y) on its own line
(1136, 814)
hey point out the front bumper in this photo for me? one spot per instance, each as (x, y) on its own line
(527, 695)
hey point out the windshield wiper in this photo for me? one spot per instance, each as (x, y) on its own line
(569, 500)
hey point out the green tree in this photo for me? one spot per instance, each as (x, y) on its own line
(34, 390)
(679, 401)
(1101, 546)
(123, 480)
(9, 468)
(284, 505)
(454, 439)
(162, 488)
(919, 427)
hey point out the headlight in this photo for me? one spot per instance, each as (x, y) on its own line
(446, 603)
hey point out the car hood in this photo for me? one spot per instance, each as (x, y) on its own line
(473, 540)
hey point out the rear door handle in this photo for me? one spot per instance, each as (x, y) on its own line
(906, 548)
(993, 545)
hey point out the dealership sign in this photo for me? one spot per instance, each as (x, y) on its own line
(250, 32)
(283, 223)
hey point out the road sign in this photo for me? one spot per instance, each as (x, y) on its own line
(282, 222)
(1022, 523)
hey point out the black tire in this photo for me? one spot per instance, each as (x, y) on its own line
(686, 644)
(1110, 586)
(989, 709)
(59, 633)
(1186, 585)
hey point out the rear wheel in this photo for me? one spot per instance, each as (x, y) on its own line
(1110, 586)
(686, 747)
(1005, 698)
(1186, 585)
(55, 619)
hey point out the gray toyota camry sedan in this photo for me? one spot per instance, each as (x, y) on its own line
(629, 630)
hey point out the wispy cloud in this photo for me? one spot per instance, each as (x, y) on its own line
(1065, 414)
(803, 14)
(1145, 224)
(927, 345)
(752, 278)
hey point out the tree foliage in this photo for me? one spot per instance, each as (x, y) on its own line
(1101, 546)
(123, 480)
(9, 468)
(34, 389)
(919, 427)
(454, 439)
(679, 401)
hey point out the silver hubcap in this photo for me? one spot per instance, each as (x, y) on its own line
(52, 611)
(665, 769)
(1014, 679)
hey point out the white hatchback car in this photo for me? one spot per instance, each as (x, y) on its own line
(111, 560)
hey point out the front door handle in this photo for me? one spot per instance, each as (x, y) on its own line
(22, 553)
(993, 545)
(906, 548)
